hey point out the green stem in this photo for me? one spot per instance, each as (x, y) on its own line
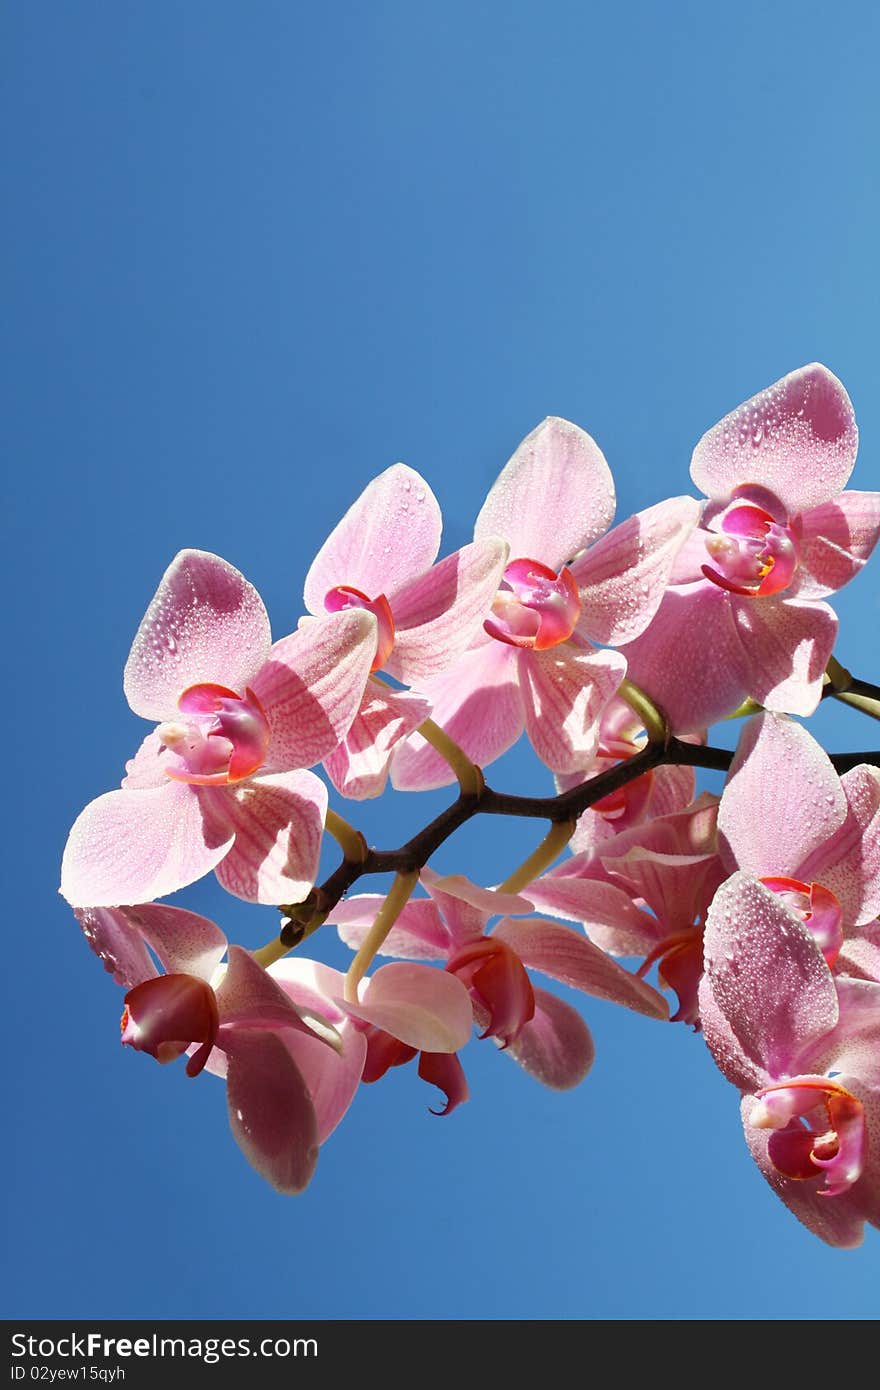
(398, 896)
(349, 840)
(550, 848)
(656, 724)
(470, 777)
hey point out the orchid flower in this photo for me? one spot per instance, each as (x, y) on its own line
(744, 614)
(533, 665)
(219, 783)
(380, 558)
(804, 1050)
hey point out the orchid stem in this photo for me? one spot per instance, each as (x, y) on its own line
(398, 896)
(349, 840)
(656, 725)
(850, 691)
(550, 848)
(470, 777)
(272, 951)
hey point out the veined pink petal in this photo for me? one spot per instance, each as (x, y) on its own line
(606, 913)
(117, 943)
(185, 942)
(767, 975)
(270, 1110)
(851, 1051)
(205, 623)
(477, 703)
(358, 768)
(311, 686)
(418, 933)
(782, 799)
(797, 438)
(849, 865)
(624, 576)
(564, 692)
(389, 535)
(464, 914)
(489, 902)
(425, 1008)
(249, 997)
(690, 660)
(555, 1047)
(146, 768)
(564, 955)
(837, 539)
(331, 1074)
(554, 496)
(133, 846)
(278, 822)
(786, 646)
(437, 614)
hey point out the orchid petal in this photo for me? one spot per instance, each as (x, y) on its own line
(564, 692)
(312, 684)
(133, 846)
(444, 1070)
(249, 997)
(425, 1008)
(797, 438)
(477, 703)
(205, 623)
(836, 541)
(117, 943)
(390, 535)
(331, 1074)
(555, 1047)
(786, 647)
(358, 768)
(849, 864)
(782, 799)
(270, 1110)
(185, 942)
(606, 913)
(564, 955)
(437, 615)
(623, 578)
(417, 934)
(553, 497)
(278, 822)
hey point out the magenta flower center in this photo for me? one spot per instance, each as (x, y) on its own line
(535, 607)
(166, 1015)
(335, 600)
(223, 737)
(818, 1127)
(818, 909)
(751, 554)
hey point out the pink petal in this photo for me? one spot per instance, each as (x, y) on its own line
(270, 1110)
(564, 955)
(278, 822)
(606, 913)
(489, 902)
(786, 647)
(555, 1047)
(418, 933)
(552, 498)
(797, 438)
(624, 576)
(147, 767)
(425, 1008)
(132, 846)
(249, 997)
(117, 943)
(389, 535)
(851, 1051)
(850, 864)
(768, 976)
(444, 1070)
(205, 623)
(782, 799)
(312, 684)
(477, 703)
(358, 768)
(437, 615)
(837, 539)
(185, 943)
(331, 1074)
(690, 660)
(464, 915)
(564, 692)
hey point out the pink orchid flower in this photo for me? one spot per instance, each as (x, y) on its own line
(380, 558)
(645, 892)
(547, 1037)
(291, 1059)
(219, 783)
(533, 665)
(744, 614)
(804, 1050)
(810, 836)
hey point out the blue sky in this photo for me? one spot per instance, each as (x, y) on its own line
(253, 254)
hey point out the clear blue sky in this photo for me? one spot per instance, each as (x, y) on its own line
(254, 254)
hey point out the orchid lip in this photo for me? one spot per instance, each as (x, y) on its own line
(798, 1150)
(535, 608)
(223, 738)
(754, 554)
(818, 908)
(344, 596)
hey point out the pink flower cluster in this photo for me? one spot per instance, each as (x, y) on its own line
(758, 908)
